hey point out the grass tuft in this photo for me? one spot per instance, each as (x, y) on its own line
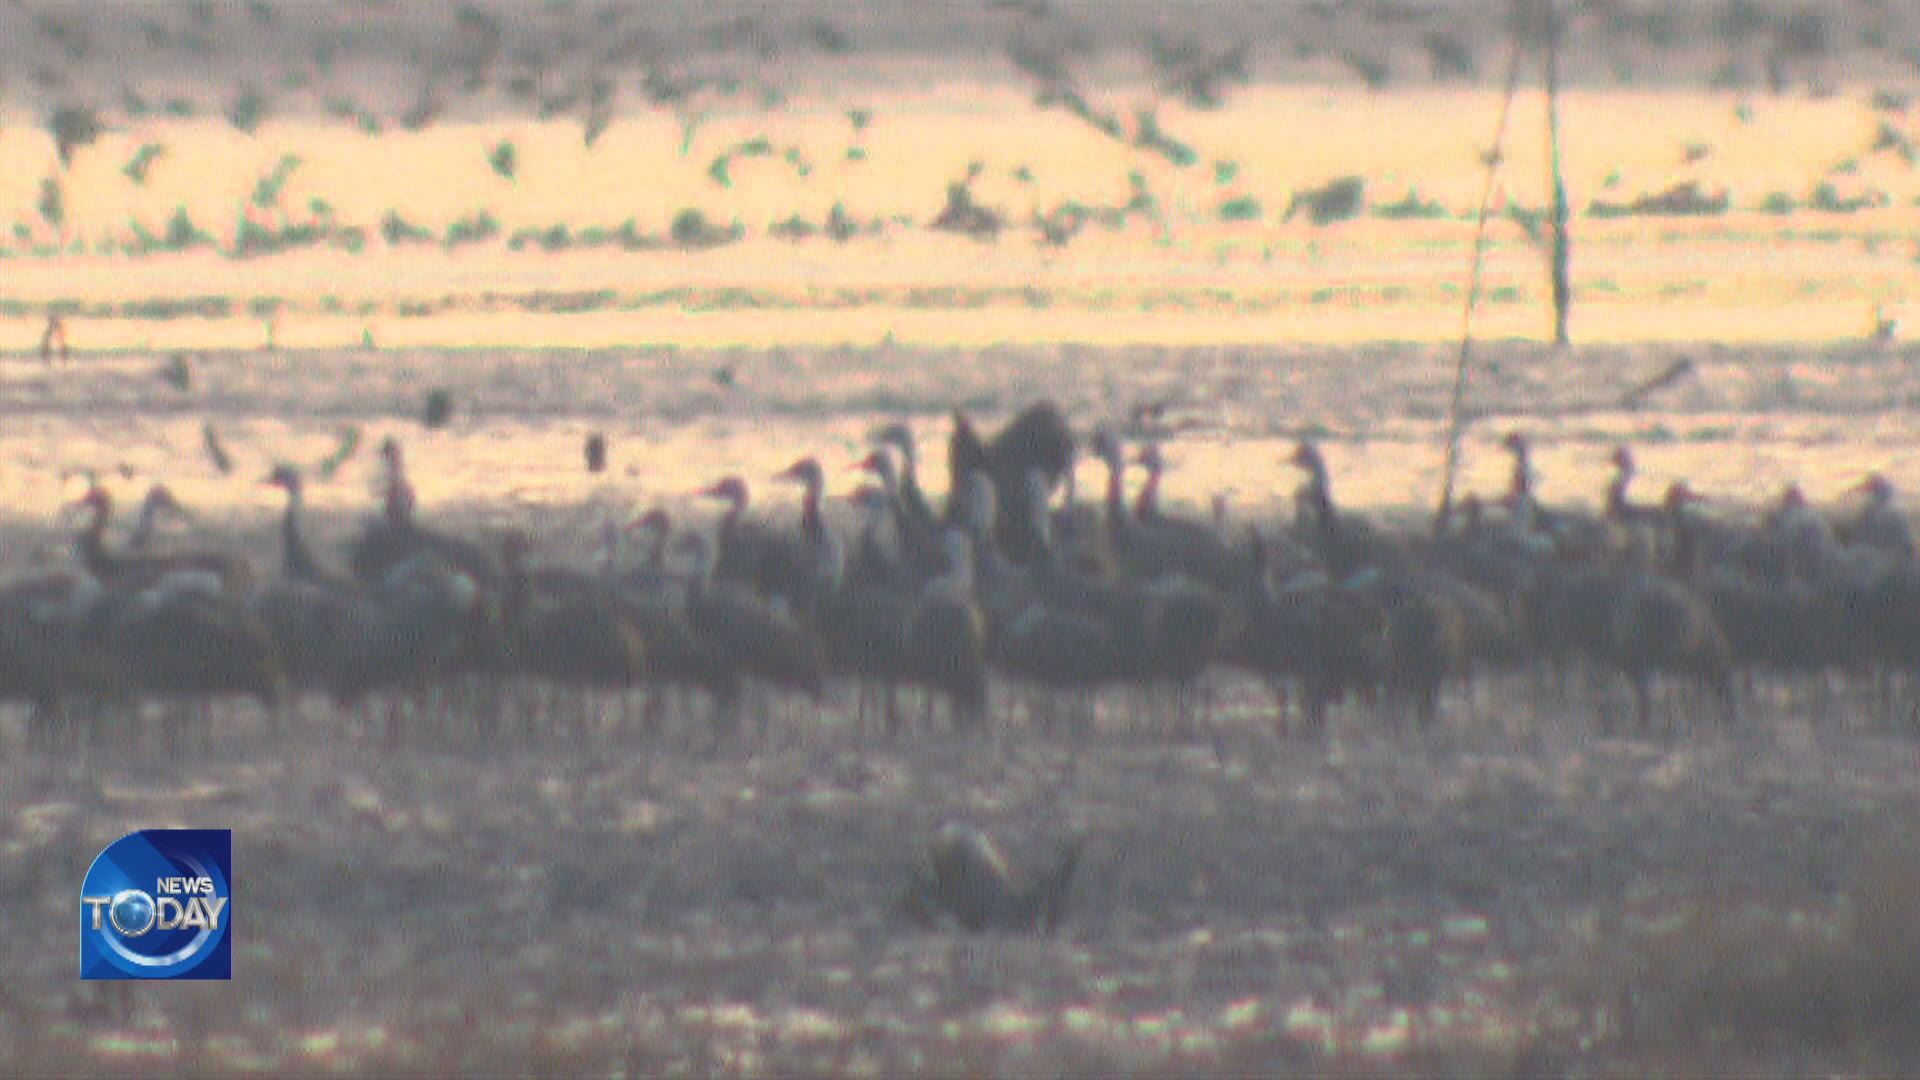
(691, 229)
(1834, 986)
(1411, 207)
(249, 108)
(503, 159)
(141, 162)
(1244, 208)
(1337, 200)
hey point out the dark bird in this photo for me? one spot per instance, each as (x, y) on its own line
(873, 564)
(54, 341)
(179, 640)
(596, 453)
(654, 600)
(178, 372)
(945, 648)
(1878, 525)
(310, 625)
(216, 572)
(421, 626)
(1345, 543)
(438, 412)
(819, 559)
(768, 561)
(965, 877)
(396, 537)
(1308, 633)
(1661, 627)
(216, 453)
(916, 525)
(1039, 438)
(761, 640)
(343, 451)
(299, 561)
(1150, 542)
(576, 636)
(159, 502)
(44, 662)
(907, 489)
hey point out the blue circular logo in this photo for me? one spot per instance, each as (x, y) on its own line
(156, 905)
(131, 912)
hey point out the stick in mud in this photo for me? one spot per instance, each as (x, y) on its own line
(1452, 466)
(1562, 243)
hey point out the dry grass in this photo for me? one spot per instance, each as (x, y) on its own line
(1730, 983)
(580, 897)
(1512, 897)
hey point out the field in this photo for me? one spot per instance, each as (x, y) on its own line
(1511, 894)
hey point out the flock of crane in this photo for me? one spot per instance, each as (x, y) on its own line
(1014, 580)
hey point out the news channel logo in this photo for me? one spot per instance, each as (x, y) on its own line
(156, 904)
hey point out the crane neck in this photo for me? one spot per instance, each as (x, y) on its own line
(1317, 495)
(1147, 504)
(400, 499)
(1116, 492)
(958, 577)
(143, 528)
(1520, 485)
(736, 506)
(657, 551)
(1685, 543)
(611, 543)
(99, 562)
(810, 520)
(884, 472)
(700, 577)
(300, 560)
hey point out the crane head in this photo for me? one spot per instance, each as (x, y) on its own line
(1877, 487)
(656, 521)
(732, 489)
(805, 471)
(285, 477)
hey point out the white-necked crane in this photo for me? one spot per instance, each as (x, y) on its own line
(397, 537)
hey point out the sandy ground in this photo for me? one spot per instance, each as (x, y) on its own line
(599, 901)
(1509, 895)
(1747, 421)
(743, 116)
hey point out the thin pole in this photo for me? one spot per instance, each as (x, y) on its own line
(1562, 287)
(1473, 275)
